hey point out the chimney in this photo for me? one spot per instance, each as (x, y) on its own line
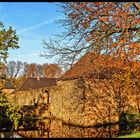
(38, 78)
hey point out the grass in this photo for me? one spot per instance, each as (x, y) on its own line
(135, 135)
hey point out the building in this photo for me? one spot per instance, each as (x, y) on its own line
(85, 95)
(28, 92)
(81, 98)
(8, 87)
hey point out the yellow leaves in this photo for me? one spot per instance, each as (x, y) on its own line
(118, 22)
(131, 52)
(90, 17)
(114, 45)
(73, 15)
(122, 56)
(36, 111)
(138, 51)
(97, 3)
(81, 5)
(90, 9)
(134, 66)
(122, 41)
(103, 19)
(88, 38)
(86, 25)
(134, 45)
(134, 49)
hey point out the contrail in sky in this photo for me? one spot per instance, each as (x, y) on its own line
(36, 26)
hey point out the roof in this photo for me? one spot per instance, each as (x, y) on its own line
(34, 83)
(8, 85)
(97, 67)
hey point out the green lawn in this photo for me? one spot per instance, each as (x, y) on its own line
(135, 135)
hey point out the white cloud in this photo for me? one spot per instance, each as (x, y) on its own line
(36, 26)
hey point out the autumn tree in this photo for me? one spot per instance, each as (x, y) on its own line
(51, 70)
(103, 27)
(31, 70)
(44, 66)
(8, 39)
(15, 69)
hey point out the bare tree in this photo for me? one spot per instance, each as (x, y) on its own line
(39, 70)
(31, 70)
(44, 66)
(15, 69)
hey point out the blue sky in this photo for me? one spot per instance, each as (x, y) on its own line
(33, 22)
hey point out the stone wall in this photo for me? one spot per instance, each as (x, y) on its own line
(7, 91)
(29, 97)
(81, 103)
(88, 102)
(67, 102)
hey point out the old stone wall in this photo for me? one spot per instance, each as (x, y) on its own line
(85, 102)
(7, 91)
(67, 103)
(89, 102)
(104, 102)
(82, 103)
(29, 97)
